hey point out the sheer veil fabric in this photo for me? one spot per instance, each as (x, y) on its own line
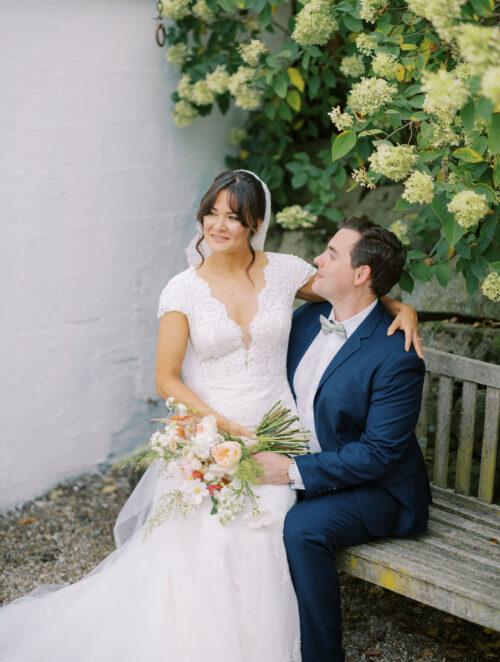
(195, 589)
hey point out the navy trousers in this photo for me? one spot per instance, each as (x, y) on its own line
(314, 529)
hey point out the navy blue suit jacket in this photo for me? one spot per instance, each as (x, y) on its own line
(365, 411)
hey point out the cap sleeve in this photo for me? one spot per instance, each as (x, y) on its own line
(300, 271)
(173, 297)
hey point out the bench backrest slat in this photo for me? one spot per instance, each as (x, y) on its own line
(466, 439)
(443, 429)
(489, 449)
(475, 375)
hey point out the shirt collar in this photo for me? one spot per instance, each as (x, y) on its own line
(351, 324)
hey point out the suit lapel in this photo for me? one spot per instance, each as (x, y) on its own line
(304, 334)
(353, 343)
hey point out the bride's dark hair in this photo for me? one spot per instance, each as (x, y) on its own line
(245, 197)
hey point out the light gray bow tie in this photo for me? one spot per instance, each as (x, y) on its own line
(328, 327)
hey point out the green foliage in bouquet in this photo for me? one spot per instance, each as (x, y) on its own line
(359, 93)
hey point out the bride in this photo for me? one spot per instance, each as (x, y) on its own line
(195, 589)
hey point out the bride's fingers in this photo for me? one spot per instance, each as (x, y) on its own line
(417, 343)
(393, 327)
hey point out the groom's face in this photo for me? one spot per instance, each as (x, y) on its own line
(336, 277)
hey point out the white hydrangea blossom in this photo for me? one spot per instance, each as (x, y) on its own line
(184, 87)
(352, 65)
(202, 11)
(394, 162)
(370, 10)
(370, 95)
(400, 229)
(441, 13)
(444, 94)
(251, 51)
(490, 85)
(184, 113)
(314, 24)
(479, 45)
(419, 188)
(341, 120)
(240, 85)
(385, 65)
(491, 286)
(366, 43)
(178, 54)
(363, 178)
(444, 135)
(175, 9)
(218, 80)
(201, 94)
(463, 71)
(295, 217)
(468, 208)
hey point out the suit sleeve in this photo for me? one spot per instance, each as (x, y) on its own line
(390, 427)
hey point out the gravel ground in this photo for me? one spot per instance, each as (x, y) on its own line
(61, 536)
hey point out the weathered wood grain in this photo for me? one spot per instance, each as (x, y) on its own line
(490, 443)
(466, 439)
(443, 428)
(422, 429)
(460, 367)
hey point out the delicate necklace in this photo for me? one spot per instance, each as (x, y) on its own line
(232, 290)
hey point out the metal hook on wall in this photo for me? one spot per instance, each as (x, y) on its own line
(160, 35)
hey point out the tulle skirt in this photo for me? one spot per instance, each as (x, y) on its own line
(193, 590)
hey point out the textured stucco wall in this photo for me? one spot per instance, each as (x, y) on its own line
(98, 191)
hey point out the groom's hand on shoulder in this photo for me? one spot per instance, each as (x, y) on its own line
(275, 468)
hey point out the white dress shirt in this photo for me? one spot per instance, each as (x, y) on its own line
(308, 375)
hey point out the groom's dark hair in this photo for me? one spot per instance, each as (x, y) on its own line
(380, 249)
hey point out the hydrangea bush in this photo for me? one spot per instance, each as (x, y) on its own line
(359, 93)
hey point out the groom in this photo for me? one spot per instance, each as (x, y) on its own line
(358, 391)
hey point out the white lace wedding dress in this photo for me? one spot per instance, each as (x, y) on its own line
(195, 590)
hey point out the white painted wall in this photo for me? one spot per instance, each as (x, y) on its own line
(98, 190)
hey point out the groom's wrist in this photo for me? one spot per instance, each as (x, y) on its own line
(294, 476)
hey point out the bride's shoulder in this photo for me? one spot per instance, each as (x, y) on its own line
(180, 279)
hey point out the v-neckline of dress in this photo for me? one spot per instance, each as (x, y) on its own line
(240, 328)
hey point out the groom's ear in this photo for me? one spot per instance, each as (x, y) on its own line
(363, 274)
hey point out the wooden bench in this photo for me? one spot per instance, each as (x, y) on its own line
(455, 566)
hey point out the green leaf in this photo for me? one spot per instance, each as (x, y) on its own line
(496, 173)
(333, 214)
(479, 266)
(403, 205)
(265, 16)
(421, 271)
(406, 282)
(471, 282)
(299, 179)
(369, 132)
(415, 254)
(442, 271)
(467, 115)
(495, 266)
(353, 24)
(467, 154)
(484, 108)
(494, 134)
(418, 101)
(293, 100)
(313, 86)
(280, 85)
(482, 7)
(343, 144)
(484, 189)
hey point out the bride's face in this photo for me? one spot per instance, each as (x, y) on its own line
(222, 229)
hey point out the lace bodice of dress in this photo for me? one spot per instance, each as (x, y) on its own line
(234, 379)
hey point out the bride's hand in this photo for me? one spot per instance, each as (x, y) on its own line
(407, 321)
(237, 430)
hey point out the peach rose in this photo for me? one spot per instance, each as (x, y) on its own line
(227, 454)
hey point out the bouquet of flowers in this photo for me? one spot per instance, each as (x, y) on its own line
(212, 464)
